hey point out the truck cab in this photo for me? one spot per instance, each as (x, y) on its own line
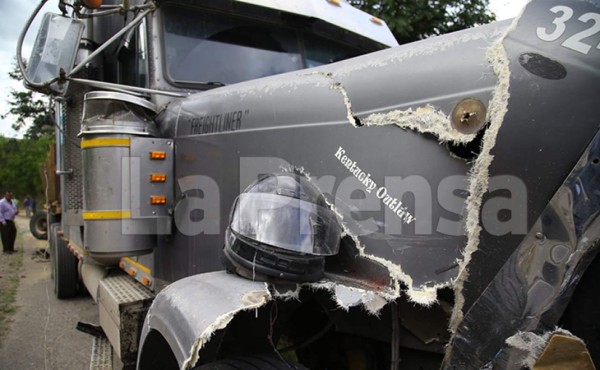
(257, 182)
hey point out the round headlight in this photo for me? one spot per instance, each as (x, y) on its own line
(281, 226)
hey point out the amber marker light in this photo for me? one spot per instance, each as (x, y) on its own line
(92, 4)
(376, 21)
(157, 199)
(158, 155)
(158, 177)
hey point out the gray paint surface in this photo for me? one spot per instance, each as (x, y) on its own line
(302, 119)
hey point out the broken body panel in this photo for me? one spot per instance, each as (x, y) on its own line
(516, 171)
(463, 170)
(360, 152)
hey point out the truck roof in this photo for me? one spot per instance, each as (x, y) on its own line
(336, 12)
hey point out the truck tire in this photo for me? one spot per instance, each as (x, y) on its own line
(38, 225)
(66, 277)
(253, 362)
(52, 237)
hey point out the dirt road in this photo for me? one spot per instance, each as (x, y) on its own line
(41, 333)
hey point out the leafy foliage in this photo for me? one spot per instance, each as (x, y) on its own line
(29, 107)
(20, 162)
(21, 159)
(412, 20)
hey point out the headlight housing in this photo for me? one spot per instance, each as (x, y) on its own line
(281, 227)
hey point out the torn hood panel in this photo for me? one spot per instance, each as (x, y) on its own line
(375, 134)
(371, 133)
(329, 122)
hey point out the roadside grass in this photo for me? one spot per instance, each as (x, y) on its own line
(11, 266)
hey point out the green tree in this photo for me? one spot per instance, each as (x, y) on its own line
(26, 107)
(21, 159)
(412, 20)
(20, 162)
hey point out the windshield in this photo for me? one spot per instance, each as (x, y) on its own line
(213, 48)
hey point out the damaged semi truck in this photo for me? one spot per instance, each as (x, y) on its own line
(258, 184)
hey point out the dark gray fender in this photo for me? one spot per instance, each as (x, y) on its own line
(189, 311)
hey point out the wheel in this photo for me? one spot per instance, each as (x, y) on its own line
(38, 225)
(66, 277)
(253, 362)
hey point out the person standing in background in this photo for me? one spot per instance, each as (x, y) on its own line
(27, 205)
(8, 230)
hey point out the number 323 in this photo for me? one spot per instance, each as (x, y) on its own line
(575, 42)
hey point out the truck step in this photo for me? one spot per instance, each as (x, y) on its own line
(102, 354)
(124, 290)
(122, 307)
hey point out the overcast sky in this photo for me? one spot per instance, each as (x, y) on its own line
(16, 13)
